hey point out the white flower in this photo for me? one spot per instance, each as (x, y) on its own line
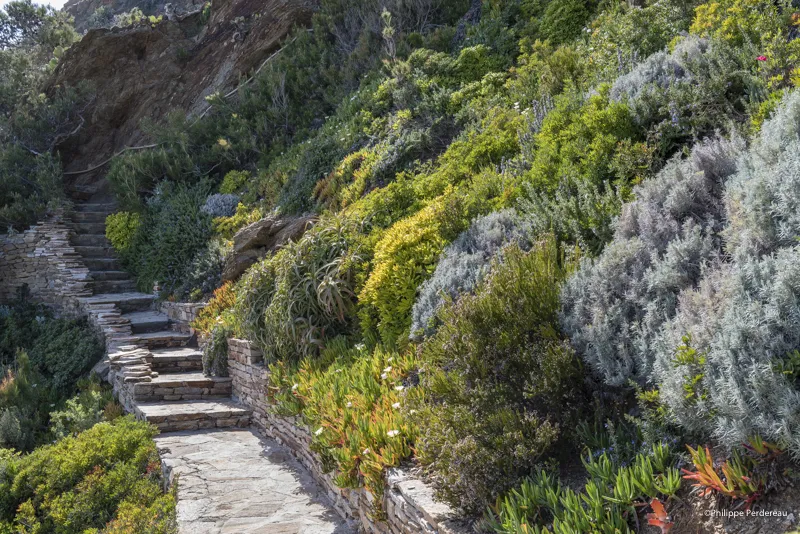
(396, 405)
(390, 359)
(365, 452)
(412, 412)
(399, 388)
(383, 376)
(349, 404)
(338, 370)
(388, 369)
(294, 387)
(392, 433)
(318, 432)
(360, 346)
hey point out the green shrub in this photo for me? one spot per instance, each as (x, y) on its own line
(93, 404)
(204, 273)
(215, 352)
(173, 230)
(564, 20)
(499, 381)
(292, 302)
(41, 360)
(579, 138)
(32, 121)
(121, 228)
(234, 182)
(404, 258)
(81, 482)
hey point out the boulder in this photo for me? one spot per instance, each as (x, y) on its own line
(260, 238)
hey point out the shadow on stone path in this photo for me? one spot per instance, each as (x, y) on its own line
(233, 481)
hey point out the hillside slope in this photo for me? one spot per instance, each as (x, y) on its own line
(146, 71)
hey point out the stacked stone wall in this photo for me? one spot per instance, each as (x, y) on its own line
(182, 313)
(43, 259)
(408, 501)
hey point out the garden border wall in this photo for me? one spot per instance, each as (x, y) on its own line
(408, 501)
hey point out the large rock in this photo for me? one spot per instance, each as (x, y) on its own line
(258, 239)
(146, 71)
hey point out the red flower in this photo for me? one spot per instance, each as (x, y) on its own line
(761, 58)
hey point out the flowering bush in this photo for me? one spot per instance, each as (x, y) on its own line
(353, 401)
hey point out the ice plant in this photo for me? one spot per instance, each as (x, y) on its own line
(761, 58)
(659, 517)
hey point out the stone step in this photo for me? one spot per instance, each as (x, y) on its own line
(94, 251)
(193, 415)
(187, 385)
(96, 207)
(163, 339)
(126, 302)
(147, 321)
(82, 192)
(88, 228)
(90, 240)
(88, 216)
(112, 286)
(175, 360)
(102, 264)
(109, 275)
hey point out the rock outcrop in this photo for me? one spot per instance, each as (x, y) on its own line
(256, 240)
(146, 71)
(82, 10)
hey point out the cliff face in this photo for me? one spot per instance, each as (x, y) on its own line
(83, 9)
(145, 72)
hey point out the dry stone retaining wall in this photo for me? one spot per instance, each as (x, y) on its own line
(408, 501)
(43, 259)
(182, 313)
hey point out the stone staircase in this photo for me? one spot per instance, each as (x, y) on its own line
(155, 367)
(231, 480)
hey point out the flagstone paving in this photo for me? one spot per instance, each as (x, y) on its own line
(233, 481)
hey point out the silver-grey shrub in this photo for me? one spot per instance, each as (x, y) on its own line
(614, 307)
(660, 70)
(221, 205)
(706, 262)
(463, 265)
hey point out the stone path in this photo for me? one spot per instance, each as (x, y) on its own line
(231, 481)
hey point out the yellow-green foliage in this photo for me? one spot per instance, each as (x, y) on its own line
(406, 253)
(217, 311)
(543, 70)
(352, 401)
(234, 181)
(404, 258)
(494, 140)
(580, 139)
(108, 472)
(347, 183)
(228, 226)
(121, 228)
